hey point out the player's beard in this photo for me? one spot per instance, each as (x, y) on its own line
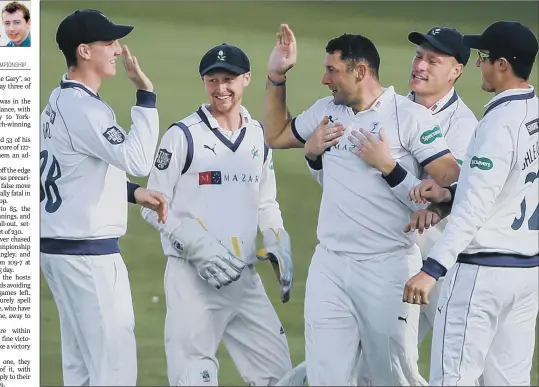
(224, 106)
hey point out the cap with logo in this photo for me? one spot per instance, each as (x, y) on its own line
(445, 40)
(88, 26)
(504, 39)
(225, 57)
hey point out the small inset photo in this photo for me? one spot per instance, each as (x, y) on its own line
(15, 30)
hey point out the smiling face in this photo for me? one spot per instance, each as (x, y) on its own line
(100, 57)
(225, 90)
(16, 26)
(433, 72)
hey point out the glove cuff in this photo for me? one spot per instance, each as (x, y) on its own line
(188, 236)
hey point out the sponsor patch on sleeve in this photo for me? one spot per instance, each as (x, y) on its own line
(162, 161)
(431, 135)
(533, 126)
(114, 135)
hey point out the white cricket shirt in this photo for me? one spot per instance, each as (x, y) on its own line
(225, 179)
(359, 213)
(458, 124)
(495, 215)
(84, 157)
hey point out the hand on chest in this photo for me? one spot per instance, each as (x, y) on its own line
(365, 134)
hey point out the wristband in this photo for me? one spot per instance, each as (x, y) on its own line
(131, 188)
(275, 83)
(452, 190)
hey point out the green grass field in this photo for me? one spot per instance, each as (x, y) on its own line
(169, 40)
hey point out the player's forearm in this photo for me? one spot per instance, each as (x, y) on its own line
(401, 182)
(448, 174)
(276, 114)
(141, 142)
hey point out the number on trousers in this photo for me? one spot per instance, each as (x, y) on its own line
(49, 190)
(533, 221)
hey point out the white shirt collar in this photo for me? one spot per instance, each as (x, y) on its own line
(387, 92)
(68, 81)
(438, 105)
(508, 93)
(246, 117)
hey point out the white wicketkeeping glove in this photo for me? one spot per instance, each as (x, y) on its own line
(278, 251)
(213, 261)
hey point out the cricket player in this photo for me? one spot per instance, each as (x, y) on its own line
(350, 308)
(489, 301)
(217, 174)
(85, 155)
(439, 61)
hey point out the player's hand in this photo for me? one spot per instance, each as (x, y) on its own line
(373, 149)
(429, 191)
(325, 136)
(284, 54)
(422, 220)
(417, 289)
(134, 72)
(154, 201)
(278, 251)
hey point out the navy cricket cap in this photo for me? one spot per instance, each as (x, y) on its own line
(510, 40)
(445, 40)
(225, 57)
(88, 26)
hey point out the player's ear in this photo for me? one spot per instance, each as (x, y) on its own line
(360, 71)
(503, 64)
(84, 51)
(246, 79)
(456, 71)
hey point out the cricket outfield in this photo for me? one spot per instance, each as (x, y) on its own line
(169, 39)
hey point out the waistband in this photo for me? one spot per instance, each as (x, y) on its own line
(80, 246)
(499, 259)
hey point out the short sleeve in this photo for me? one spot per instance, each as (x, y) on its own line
(424, 137)
(305, 123)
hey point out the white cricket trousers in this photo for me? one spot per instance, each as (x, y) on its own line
(355, 306)
(427, 313)
(241, 315)
(93, 297)
(485, 325)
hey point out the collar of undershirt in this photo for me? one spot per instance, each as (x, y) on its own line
(509, 95)
(387, 92)
(210, 121)
(446, 101)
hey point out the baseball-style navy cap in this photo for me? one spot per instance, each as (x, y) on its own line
(504, 39)
(225, 57)
(446, 40)
(88, 26)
